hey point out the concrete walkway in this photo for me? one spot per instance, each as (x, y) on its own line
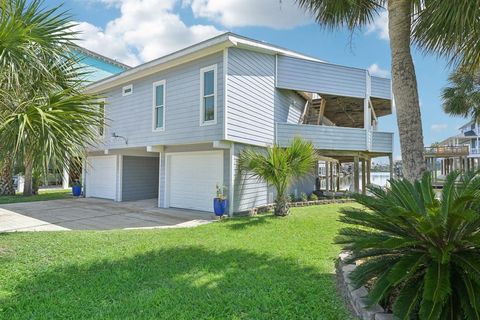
(95, 214)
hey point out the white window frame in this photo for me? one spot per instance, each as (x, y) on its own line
(154, 104)
(202, 96)
(104, 116)
(130, 86)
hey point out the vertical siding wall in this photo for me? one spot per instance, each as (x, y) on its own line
(248, 191)
(132, 116)
(320, 77)
(254, 104)
(381, 88)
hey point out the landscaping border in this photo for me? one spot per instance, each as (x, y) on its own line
(270, 207)
(357, 297)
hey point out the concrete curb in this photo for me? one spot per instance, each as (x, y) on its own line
(357, 297)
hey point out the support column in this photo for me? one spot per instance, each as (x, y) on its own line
(65, 178)
(369, 171)
(327, 180)
(338, 176)
(364, 182)
(356, 181)
(434, 169)
(390, 160)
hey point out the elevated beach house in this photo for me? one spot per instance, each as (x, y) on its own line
(175, 126)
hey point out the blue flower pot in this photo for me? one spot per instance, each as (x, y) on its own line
(219, 206)
(77, 191)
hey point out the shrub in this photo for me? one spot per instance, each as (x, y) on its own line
(292, 197)
(303, 197)
(313, 197)
(417, 251)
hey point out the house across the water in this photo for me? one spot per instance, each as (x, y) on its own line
(176, 125)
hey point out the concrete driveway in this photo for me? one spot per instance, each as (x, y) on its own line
(95, 214)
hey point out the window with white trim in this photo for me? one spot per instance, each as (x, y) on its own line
(127, 90)
(159, 105)
(208, 95)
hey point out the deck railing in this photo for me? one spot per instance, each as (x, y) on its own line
(442, 151)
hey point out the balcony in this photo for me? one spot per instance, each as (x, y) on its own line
(336, 138)
(446, 151)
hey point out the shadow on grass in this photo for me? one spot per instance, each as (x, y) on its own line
(178, 283)
(242, 223)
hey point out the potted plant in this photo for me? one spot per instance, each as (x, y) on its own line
(220, 202)
(76, 188)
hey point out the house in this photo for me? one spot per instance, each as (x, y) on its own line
(458, 152)
(176, 125)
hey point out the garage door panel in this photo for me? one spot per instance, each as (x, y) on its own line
(193, 178)
(101, 177)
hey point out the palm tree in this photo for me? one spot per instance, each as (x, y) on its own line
(419, 252)
(450, 28)
(462, 96)
(280, 167)
(35, 60)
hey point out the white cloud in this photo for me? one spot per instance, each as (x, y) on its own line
(380, 26)
(241, 13)
(439, 127)
(145, 30)
(375, 70)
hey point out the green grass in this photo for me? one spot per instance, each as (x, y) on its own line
(245, 268)
(54, 194)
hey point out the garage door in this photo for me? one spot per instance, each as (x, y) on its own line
(192, 179)
(101, 177)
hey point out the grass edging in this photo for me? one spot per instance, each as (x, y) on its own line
(357, 298)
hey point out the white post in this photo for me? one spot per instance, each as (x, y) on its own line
(65, 178)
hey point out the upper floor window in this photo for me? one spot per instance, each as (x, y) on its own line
(159, 105)
(127, 90)
(101, 110)
(208, 95)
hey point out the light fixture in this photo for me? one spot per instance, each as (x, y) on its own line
(115, 135)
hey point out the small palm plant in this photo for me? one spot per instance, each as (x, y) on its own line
(280, 167)
(420, 252)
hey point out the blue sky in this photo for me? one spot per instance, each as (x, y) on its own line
(135, 31)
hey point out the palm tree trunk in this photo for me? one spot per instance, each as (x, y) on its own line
(405, 90)
(28, 186)
(6, 178)
(281, 206)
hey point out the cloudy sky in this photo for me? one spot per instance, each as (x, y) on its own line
(136, 31)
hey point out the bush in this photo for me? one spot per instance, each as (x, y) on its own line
(303, 197)
(421, 253)
(313, 197)
(292, 197)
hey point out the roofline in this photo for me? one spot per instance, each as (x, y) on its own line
(101, 57)
(201, 49)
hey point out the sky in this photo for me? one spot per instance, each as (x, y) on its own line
(136, 31)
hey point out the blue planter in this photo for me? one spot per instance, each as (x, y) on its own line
(219, 206)
(77, 191)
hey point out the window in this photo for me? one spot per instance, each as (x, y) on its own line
(159, 106)
(101, 127)
(127, 90)
(208, 95)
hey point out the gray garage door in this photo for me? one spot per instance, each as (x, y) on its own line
(139, 178)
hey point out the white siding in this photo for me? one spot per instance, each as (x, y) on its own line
(320, 77)
(381, 88)
(382, 142)
(251, 95)
(131, 116)
(289, 106)
(323, 137)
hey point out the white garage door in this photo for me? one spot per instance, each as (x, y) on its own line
(101, 177)
(192, 179)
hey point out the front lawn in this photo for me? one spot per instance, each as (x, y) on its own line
(53, 194)
(244, 268)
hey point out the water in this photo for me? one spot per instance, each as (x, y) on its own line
(376, 178)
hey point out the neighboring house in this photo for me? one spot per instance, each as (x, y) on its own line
(458, 152)
(176, 125)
